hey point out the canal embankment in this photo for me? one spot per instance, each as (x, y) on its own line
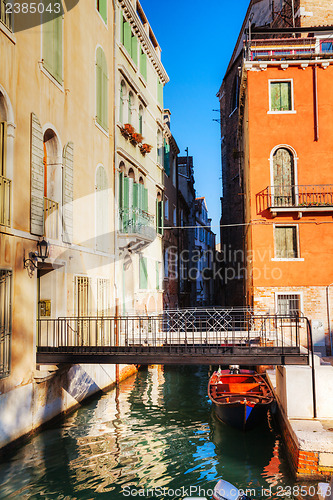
(53, 392)
(308, 440)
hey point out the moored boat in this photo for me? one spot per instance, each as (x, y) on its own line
(241, 397)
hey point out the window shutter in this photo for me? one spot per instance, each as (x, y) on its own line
(52, 44)
(157, 275)
(121, 199)
(58, 49)
(134, 49)
(104, 96)
(143, 273)
(68, 193)
(285, 90)
(126, 204)
(145, 199)
(3, 151)
(167, 158)
(127, 37)
(121, 104)
(160, 93)
(143, 64)
(275, 96)
(135, 204)
(37, 178)
(101, 89)
(161, 218)
(102, 8)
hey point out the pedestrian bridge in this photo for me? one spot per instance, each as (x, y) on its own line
(184, 336)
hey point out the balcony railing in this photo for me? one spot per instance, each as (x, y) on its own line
(51, 218)
(288, 48)
(137, 221)
(5, 192)
(300, 197)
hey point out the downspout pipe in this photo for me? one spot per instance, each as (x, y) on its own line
(315, 102)
(329, 316)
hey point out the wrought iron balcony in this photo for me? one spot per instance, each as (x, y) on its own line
(51, 215)
(136, 221)
(5, 192)
(297, 198)
(288, 48)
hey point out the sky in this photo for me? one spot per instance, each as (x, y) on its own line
(197, 41)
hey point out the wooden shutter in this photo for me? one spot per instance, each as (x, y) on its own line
(134, 49)
(68, 193)
(121, 199)
(285, 92)
(286, 242)
(3, 148)
(143, 64)
(160, 93)
(101, 89)
(135, 203)
(37, 178)
(284, 178)
(275, 96)
(52, 44)
(126, 204)
(58, 49)
(102, 9)
(127, 37)
(167, 158)
(143, 273)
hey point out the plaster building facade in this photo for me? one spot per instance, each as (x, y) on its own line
(276, 92)
(204, 255)
(139, 144)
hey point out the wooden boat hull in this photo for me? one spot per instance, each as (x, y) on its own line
(240, 400)
(240, 415)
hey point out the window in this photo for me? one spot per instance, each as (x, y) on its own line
(143, 278)
(174, 216)
(159, 214)
(281, 96)
(166, 208)
(286, 246)
(326, 46)
(143, 64)
(287, 305)
(182, 217)
(130, 107)
(133, 205)
(160, 93)
(121, 102)
(52, 44)
(5, 184)
(166, 263)
(284, 178)
(101, 89)
(5, 18)
(159, 147)
(128, 39)
(5, 321)
(166, 158)
(101, 6)
(103, 299)
(140, 120)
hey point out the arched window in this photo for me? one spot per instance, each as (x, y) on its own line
(101, 89)
(52, 44)
(52, 182)
(140, 119)
(130, 106)
(122, 101)
(5, 183)
(283, 178)
(102, 211)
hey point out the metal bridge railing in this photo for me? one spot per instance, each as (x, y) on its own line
(191, 328)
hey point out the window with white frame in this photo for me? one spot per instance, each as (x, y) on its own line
(288, 304)
(286, 242)
(281, 98)
(166, 208)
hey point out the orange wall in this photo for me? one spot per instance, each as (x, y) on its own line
(314, 166)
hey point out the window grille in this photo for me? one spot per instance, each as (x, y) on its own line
(289, 305)
(5, 321)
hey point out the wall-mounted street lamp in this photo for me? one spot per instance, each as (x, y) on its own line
(41, 254)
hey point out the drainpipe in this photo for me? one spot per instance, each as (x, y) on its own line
(329, 316)
(315, 103)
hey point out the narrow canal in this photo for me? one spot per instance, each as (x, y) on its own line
(157, 432)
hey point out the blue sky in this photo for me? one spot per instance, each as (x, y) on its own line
(197, 41)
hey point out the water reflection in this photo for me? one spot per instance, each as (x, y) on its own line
(158, 431)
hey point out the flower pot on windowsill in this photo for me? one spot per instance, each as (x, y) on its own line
(145, 148)
(129, 128)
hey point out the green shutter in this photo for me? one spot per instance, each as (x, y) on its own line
(143, 273)
(134, 49)
(135, 204)
(160, 93)
(52, 44)
(159, 216)
(101, 89)
(127, 37)
(167, 158)
(37, 178)
(157, 275)
(145, 199)
(67, 193)
(143, 64)
(126, 204)
(285, 96)
(103, 10)
(121, 199)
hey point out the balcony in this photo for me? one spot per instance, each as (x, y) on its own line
(134, 221)
(307, 198)
(5, 192)
(51, 218)
(288, 49)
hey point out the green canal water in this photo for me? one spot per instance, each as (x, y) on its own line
(156, 437)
